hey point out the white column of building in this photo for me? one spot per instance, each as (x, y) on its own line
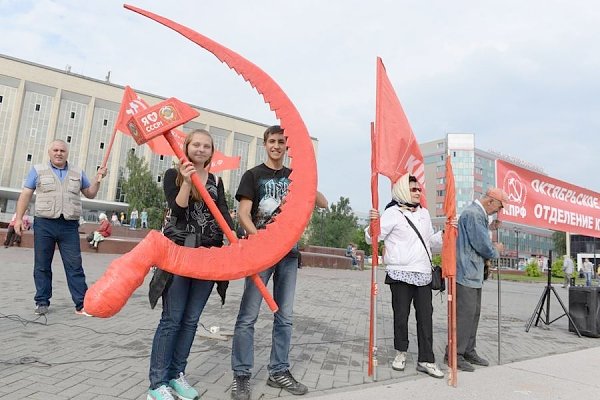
(15, 118)
(53, 121)
(87, 133)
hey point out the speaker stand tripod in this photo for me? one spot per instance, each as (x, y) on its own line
(537, 313)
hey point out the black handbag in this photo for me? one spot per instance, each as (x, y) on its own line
(437, 282)
(161, 280)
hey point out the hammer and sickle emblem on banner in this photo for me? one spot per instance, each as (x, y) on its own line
(246, 257)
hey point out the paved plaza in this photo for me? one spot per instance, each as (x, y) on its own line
(65, 356)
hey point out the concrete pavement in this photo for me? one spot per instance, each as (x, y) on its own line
(65, 356)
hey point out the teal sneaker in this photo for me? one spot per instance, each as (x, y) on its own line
(161, 393)
(182, 389)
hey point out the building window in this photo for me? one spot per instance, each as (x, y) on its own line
(101, 145)
(33, 132)
(105, 122)
(72, 114)
(37, 107)
(161, 157)
(1, 98)
(68, 139)
(158, 178)
(28, 157)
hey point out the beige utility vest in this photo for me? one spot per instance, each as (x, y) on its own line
(55, 198)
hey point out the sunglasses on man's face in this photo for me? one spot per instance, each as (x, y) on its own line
(416, 189)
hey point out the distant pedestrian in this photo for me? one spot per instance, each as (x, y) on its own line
(133, 219)
(587, 271)
(122, 218)
(115, 219)
(144, 220)
(567, 268)
(103, 232)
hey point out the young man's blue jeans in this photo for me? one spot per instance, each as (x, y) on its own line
(183, 303)
(284, 286)
(588, 278)
(46, 234)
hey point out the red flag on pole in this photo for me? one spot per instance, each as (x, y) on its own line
(398, 150)
(449, 267)
(221, 162)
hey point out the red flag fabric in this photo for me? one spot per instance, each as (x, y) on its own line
(449, 267)
(131, 104)
(398, 150)
(450, 232)
(221, 162)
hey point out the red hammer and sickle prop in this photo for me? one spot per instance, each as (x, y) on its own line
(241, 258)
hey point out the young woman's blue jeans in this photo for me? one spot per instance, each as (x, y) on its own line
(46, 234)
(183, 303)
(284, 287)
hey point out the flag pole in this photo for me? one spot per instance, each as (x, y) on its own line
(374, 231)
(108, 149)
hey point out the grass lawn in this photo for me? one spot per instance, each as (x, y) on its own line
(539, 279)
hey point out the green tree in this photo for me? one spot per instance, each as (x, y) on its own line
(333, 227)
(230, 200)
(560, 243)
(141, 191)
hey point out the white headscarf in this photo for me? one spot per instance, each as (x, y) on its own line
(102, 216)
(401, 193)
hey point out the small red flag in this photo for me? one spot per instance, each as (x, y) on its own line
(132, 104)
(221, 162)
(397, 149)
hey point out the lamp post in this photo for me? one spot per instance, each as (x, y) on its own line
(517, 230)
(594, 270)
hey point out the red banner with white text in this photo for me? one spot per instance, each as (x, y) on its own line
(541, 201)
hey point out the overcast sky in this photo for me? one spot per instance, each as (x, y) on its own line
(523, 76)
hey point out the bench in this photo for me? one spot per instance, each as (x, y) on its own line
(330, 257)
(110, 245)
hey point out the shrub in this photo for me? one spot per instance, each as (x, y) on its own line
(533, 269)
(557, 270)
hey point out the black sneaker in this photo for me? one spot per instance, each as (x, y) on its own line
(41, 309)
(240, 388)
(463, 364)
(284, 380)
(474, 358)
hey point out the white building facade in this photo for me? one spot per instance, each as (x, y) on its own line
(39, 104)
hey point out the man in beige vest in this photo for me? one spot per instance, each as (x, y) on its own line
(57, 210)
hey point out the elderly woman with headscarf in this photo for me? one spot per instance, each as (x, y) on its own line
(408, 266)
(103, 232)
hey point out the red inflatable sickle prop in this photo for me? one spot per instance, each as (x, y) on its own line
(244, 258)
